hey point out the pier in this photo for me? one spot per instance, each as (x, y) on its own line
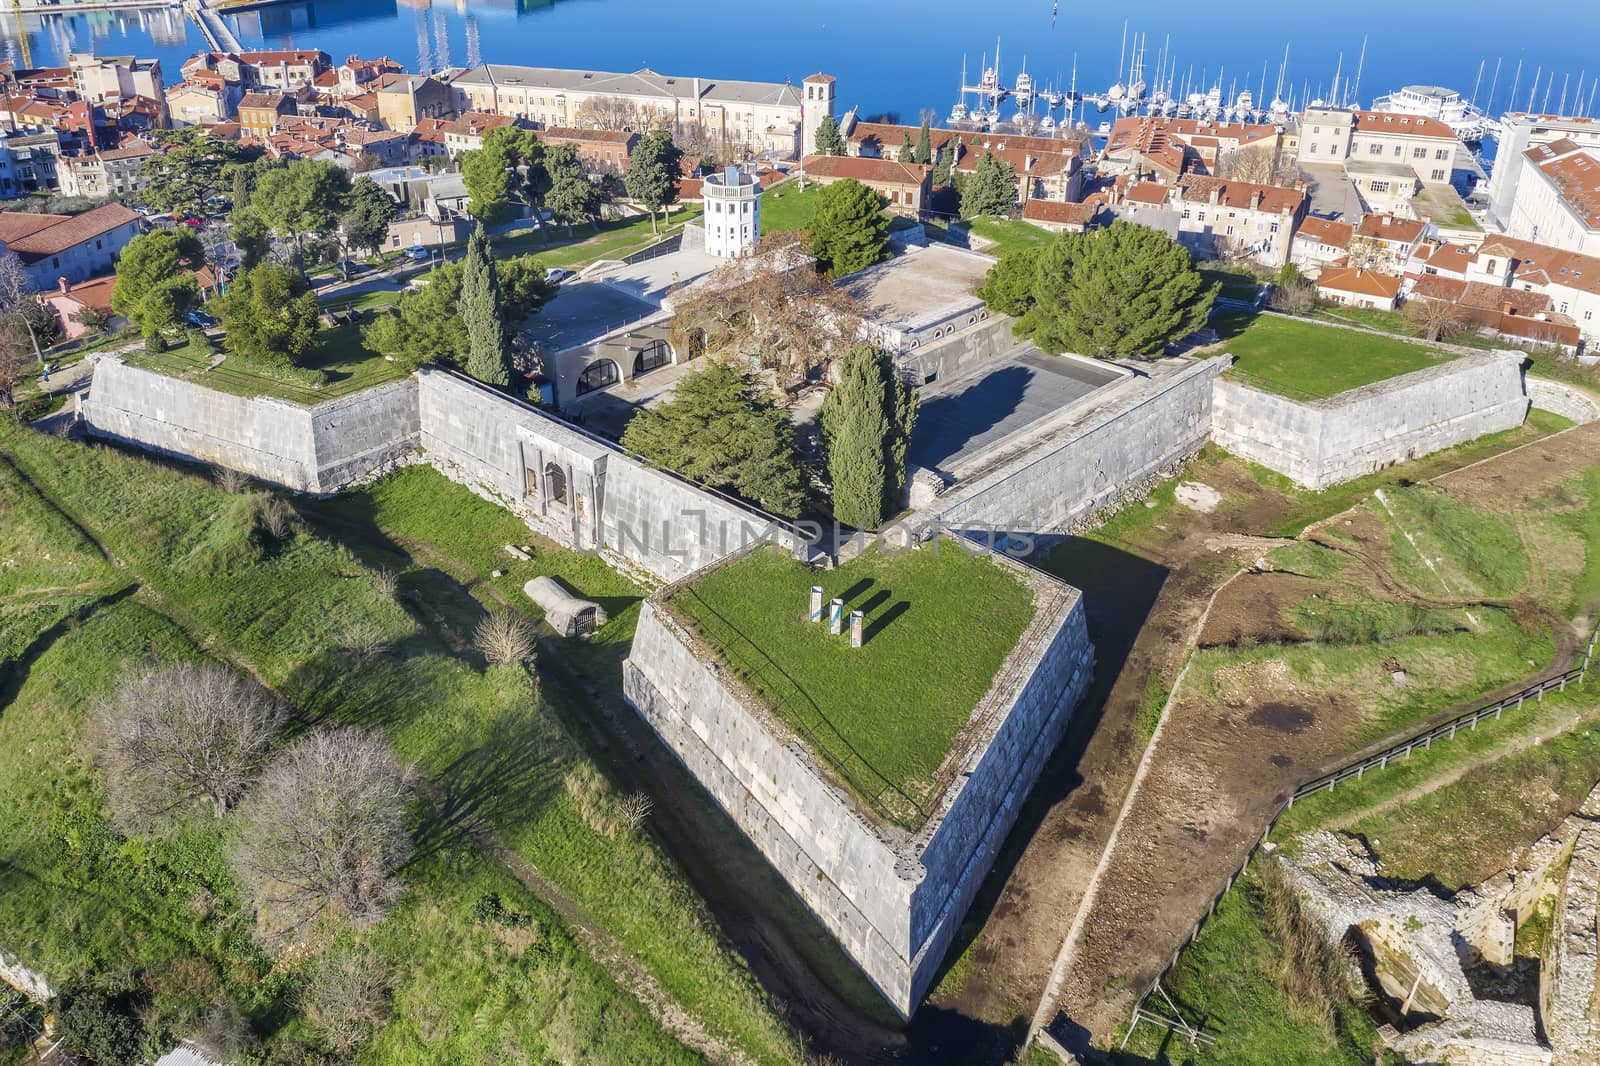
(217, 34)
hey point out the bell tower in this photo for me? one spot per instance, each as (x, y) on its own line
(816, 102)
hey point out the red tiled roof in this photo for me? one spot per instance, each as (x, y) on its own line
(1326, 231)
(1059, 211)
(1389, 122)
(562, 134)
(95, 293)
(1434, 287)
(1389, 228)
(283, 56)
(1577, 178)
(866, 170)
(1454, 258)
(1242, 195)
(1362, 282)
(68, 232)
(270, 101)
(1148, 192)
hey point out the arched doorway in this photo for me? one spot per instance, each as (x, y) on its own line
(555, 484)
(655, 354)
(598, 375)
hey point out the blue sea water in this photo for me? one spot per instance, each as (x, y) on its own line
(899, 56)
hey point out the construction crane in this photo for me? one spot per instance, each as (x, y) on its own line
(22, 35)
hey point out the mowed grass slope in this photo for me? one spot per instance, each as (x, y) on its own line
(1306, 361)
(938, 624)
(299, 610)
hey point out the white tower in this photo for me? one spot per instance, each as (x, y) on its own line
(733, 213)
(818, 101)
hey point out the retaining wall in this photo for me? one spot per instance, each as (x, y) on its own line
(309, 449)
(578, 490)
(1056, 482)
(962, 352)
(1323, 442)
(28, 982)
(1565, 400)
(893, 900)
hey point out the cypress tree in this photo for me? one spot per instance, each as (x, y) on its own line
(908, 151)
(489, 343)
(828, 140)
(924, 151)
(866, 427)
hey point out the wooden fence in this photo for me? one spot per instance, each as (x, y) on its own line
(1327, 783)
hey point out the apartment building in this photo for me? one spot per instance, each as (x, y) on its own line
(406, 99)
(1570, 279)
(1338, 136)
(1320, 243)
(600, 151)
(288, 71)
(1520, 131)
(760, 116)
(1557, 200)
(1167, 148)
(260, 113)
(113, 172)
(1386, 243)
(75, 247)
(905, 186)
(101, 78)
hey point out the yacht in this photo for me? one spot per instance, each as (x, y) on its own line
(1436, 102)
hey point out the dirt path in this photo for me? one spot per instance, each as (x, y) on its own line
(1213, 779)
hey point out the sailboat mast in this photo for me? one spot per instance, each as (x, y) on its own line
(1355, 93)
(1122, 55)
(1488, 107)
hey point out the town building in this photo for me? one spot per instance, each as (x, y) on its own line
(1386, 243)
(69, 301)
(1320, 242)
(465, 134)
(1232, 219)
(1359, 287)
(405, 100)
(1059, 217)
(905, 186)
(1166, 148)
(194, 103)
(1056, 175)
(102, 78)
(114, 172)
(1570, 279)
(1338, 136)
(1557, 200)
(1519, 132)
(260, 113)
(732, 220)
(75, 247)
(600, 151)
(731, 115)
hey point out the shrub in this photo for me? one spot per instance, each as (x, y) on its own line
(348, 996)
(105, 1029)
(504, 638)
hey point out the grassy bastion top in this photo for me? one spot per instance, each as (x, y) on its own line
(892, 719)
(1305, 360)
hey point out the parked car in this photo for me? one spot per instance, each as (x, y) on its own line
(195, 222)
(200, 320)
(557, 275)
(351, 268)
(417, 253)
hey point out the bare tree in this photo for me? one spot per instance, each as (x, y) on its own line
(348, 996)
(1434, 318)
(504, 638)
(774, 306)
(619, 113)
(324, 833)
(16, 294)
(1293, 295)
(634, 809)
(230, 480)
(175, 735)
(1258, 165)
(14, 365)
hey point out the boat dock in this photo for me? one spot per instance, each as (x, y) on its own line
(212, 26)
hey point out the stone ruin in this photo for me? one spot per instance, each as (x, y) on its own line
(1430, 952)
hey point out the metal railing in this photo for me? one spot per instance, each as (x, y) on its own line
(1354, 771)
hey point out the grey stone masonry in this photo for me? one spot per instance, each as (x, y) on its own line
(579, 490)
(1323, 442)
(1565, 400)
(310, 449)
(1092, 459)
(892, 899)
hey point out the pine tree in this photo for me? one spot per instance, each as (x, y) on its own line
(653, 170)
(946, 161)
(991, 190)
(908, 151)
(1122, 291)
(828, 140)
(849, 231)
(866, 428)
(923, 153)
(489, 342)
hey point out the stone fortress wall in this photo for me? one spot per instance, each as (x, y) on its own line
(309, 449)
(892, 899)
(1322, 442)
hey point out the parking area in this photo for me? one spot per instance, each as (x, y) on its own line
(958, 420)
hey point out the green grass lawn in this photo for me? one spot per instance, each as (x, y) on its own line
(1305, 361)
(1009, 234)
(1441, 204)
(785, 208)
(938, 625)
(614, 239)
(494, 748)
(1237, 283)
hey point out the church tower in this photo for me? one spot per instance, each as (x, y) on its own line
(817, 102)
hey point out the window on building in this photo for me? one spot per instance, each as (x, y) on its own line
(1443, 153)
(1397, 151)
(1419, 153)
(657, 353)
(1563, 307)
(597, 376)
(1494, 265)
(1380, 186)
(1273, 228)
(1438, 175)
(1374, 149)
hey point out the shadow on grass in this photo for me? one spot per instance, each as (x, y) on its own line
(14, 674)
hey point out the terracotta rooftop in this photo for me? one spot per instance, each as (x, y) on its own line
(866, 170)
(1540, 264)
(1389, 122)
(1059, 211)
(272, 101)
(1577, 178)
(557, 134)
(1326, 231)
(1148, 192)
(293, 57)
(1242, 195)
(1390, 228)
(1362, 282)
(1434, 287)
(64, 232)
